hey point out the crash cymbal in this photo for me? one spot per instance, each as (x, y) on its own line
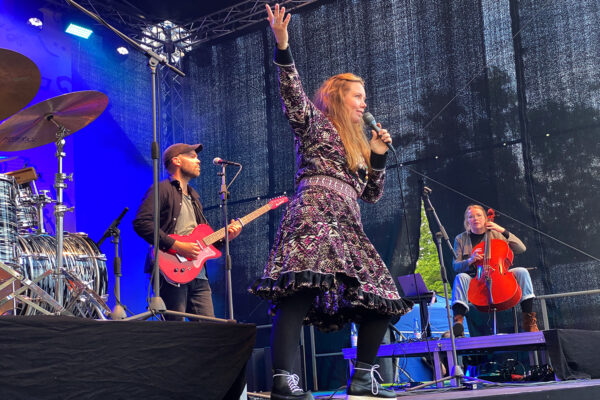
(20, 80)
(32, 127)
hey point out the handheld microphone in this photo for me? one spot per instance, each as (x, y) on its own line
(369, 120)
(220, 161)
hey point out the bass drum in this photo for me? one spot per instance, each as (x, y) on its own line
(81, 257)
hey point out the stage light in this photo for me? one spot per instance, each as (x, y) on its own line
(122, 50)
(167, 39)
(35, 22)
(78, 31)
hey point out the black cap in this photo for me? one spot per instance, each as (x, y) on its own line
(179, 148)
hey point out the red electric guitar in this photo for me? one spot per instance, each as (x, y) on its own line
(178, 269)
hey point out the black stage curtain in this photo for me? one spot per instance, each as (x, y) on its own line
(50, 357)
(496, 99)
(574, 353)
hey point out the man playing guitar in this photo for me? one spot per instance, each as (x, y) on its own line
(180, 213)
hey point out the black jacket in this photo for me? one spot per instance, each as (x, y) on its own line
(170, 199)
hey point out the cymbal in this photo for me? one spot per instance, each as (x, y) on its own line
(20, 80)
(32, 127)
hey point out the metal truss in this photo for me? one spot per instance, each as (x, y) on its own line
(174, 41)
(127, 18)
(235, 18)
(171, 113)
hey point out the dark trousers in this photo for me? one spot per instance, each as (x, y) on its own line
(194, 297)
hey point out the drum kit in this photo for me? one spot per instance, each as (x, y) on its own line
(39, 273)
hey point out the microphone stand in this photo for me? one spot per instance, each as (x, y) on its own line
(224, 197)
(113, 231)
(457, 372)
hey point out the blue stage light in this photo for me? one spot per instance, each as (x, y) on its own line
(78, 31)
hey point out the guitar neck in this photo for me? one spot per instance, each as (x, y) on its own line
(220, 234)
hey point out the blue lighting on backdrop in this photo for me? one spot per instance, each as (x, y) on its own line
(109, 158)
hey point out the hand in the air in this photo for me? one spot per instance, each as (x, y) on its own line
(279, 23)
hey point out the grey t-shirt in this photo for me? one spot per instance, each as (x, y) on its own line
(186, 222)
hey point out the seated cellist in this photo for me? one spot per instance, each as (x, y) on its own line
(476, 223)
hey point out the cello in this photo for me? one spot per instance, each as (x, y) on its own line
(494, 287)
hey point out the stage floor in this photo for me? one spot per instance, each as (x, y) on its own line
(580, 390)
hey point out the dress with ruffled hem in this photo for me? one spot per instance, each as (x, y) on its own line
(321, 247)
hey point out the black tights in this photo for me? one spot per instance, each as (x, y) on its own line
(287, 325)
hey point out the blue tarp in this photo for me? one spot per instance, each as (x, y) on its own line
(437, 319)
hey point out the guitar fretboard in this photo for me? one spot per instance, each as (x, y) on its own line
(220, 234)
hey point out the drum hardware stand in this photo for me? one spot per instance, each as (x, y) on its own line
(83, 293)
(60, 208)
(115, 233)
(33, 286)
(41, 200)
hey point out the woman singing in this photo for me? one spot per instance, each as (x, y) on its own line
(323, 270)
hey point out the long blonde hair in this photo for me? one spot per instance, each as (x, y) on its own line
(330, 100)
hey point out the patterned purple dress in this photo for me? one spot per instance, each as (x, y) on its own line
(321, 244)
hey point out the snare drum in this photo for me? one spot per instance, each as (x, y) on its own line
(81, 257)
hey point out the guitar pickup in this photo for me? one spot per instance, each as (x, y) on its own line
(181, 258)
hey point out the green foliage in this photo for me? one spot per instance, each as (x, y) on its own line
(428, 264)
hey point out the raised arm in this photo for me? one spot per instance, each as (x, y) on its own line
(296, 105)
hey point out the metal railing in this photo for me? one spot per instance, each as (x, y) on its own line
(544, 297)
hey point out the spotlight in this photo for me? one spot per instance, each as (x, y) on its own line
(122, 50)
(78, 31)
(35, 22)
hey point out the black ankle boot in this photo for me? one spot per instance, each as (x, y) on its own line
(364, 386)
(285, 387)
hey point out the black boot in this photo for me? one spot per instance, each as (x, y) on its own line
(458, 327)
(285, 387)
(364, 386)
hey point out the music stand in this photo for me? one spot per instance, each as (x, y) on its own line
(415, 290)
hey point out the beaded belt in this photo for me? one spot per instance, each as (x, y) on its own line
(328, 182)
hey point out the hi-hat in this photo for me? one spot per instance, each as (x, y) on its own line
(34, 126)
(20, 80)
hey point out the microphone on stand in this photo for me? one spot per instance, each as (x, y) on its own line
(112, 226)
(369, 120)
(220, 161)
